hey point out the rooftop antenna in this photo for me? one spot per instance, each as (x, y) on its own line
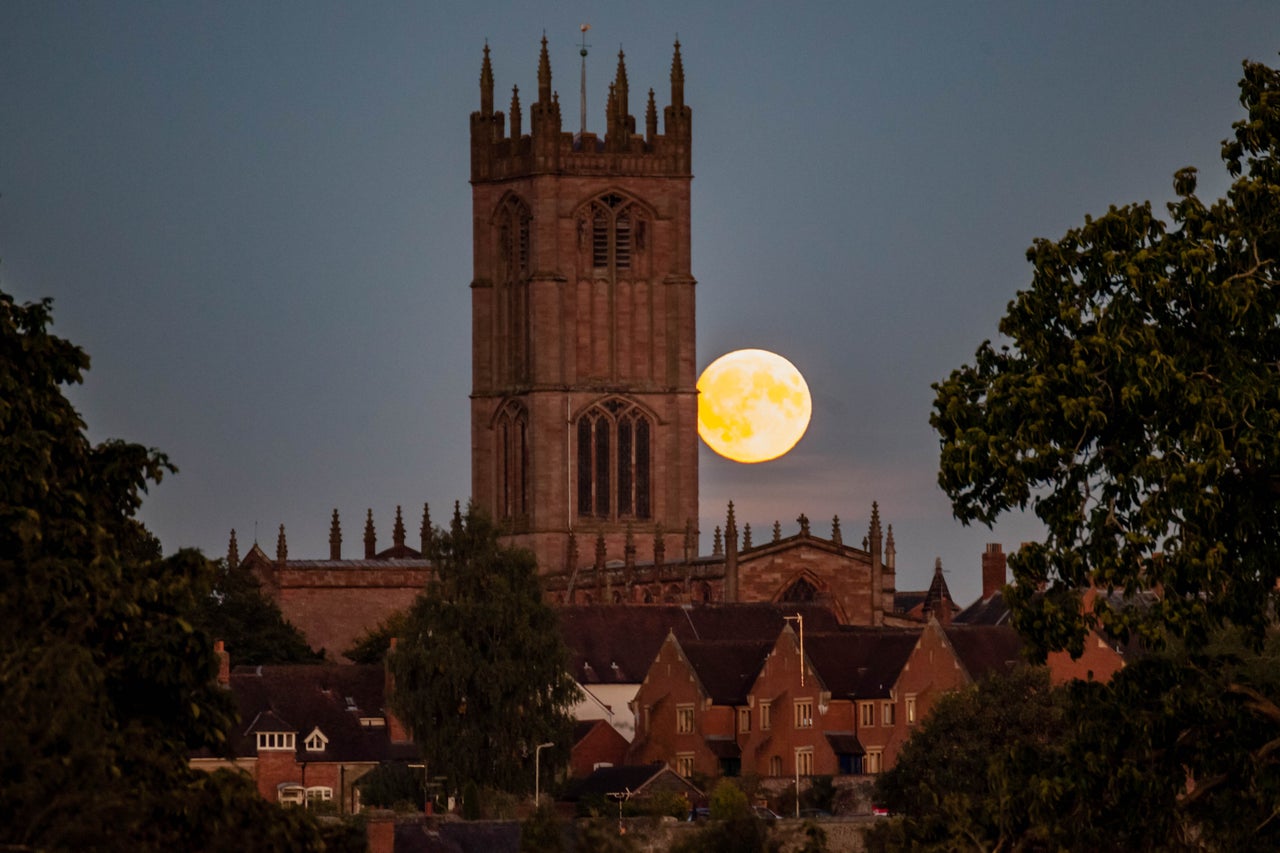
(583, 53)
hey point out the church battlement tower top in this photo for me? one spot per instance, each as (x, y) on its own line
(500, 150)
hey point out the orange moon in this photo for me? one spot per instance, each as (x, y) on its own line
(753, 405)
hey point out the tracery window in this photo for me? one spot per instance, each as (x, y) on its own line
(614, 447)
(512, 459)
(512, 225)
(513, 221)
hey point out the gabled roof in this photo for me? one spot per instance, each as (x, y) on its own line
(984, 611)
(726, 668)
(301, 698)
(860, 663)
(984, 649)
(629, 636)
(628, 777)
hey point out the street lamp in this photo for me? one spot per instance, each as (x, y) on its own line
(537, 770)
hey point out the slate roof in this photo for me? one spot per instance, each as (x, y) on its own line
(984, 611)
(984, 649)
(301, 698)
(860, 663)
(600, 636)
(727, 669)
(624, 777)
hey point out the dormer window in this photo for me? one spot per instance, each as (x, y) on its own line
(316, 741)
(276, 740)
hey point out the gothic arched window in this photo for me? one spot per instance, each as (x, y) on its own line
(617, 231)
(512, 224)
(801, 590)
(512, 459)
(613, 455)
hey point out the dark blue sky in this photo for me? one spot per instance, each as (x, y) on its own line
(255, 218)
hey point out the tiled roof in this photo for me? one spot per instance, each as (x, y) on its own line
(727, 668)
(845, 743)
(984, 649)
(860, 663)
(301, 698)
(627, 777)
(984, 611)
(600, 636)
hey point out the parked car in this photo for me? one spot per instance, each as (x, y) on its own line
(766, 813)
(879, 811)
(699, 813)
(815, 814)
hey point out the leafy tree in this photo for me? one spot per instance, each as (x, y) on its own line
(732, 829)
(543, 832)
(481, 672)
(105, 685)
(953, 778)
(251, 623)
(372, 645)
(393, 786)
(1136, 408)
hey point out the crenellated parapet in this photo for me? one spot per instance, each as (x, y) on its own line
(501, 150)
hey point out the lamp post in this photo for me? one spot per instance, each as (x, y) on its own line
(537, 771)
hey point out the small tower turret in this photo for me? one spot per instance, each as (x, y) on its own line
(335, 537)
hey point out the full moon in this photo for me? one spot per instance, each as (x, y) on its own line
(753, 405)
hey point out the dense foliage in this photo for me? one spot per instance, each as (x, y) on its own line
(249, 622)
(1136, 408)
(481, 672)
(105, 685)
(1014, 764)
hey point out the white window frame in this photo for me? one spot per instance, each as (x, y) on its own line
(873, 761)
(911, 710)
(684, 764)
(316, 741)
(319, 793)
(866, 714)
(766, 716)
(887, 715)
(804, 713)
(684, 719)
(271, 741)
(804, 761)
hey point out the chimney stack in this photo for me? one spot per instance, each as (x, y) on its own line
(994, 575)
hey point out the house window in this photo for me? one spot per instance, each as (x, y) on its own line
(766, 716)
(684, 764)
(804, 713)
(775, 765)
(290, 794)
(804, 761)
(867, 714)
(886, 714)
(684, 719)
(276, 740)
(613, 461)
(744, 720)
(871, 764)
(319, 793)
(316, 741)
(911, 710)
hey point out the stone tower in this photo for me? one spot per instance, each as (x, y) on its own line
(583, 402)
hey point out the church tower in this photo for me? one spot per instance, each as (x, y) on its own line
(583, 402)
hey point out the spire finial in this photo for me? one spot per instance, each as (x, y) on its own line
(777, 531)
(650, 119)
(804, 524)
(746, 536)
(455, 526)
(717, 544)
(426, 531)
(370, 538)
(515, 112)
(335, 537)
(397, 532)
(282, 546)
(233, 552)
(677, 78)
(835, 530)
(486, 83)
(544, 74)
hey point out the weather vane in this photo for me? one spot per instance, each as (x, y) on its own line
(583, 53)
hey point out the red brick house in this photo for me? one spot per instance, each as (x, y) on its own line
(307, 733)
(596, 744)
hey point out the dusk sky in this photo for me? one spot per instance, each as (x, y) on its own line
(255, 217)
